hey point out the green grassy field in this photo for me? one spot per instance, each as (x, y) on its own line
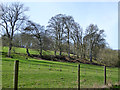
(34, 73)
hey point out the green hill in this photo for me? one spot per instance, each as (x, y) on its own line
(36, 73)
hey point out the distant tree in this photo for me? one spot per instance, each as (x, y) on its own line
(11, 20)
(93, 39)
(26, 41)
(90, 36)
(68, 21)
(56, 30)
(36, 31)
(17, 40)
(76, 36)
(100, 43)
(73, 36)
(47, 42)
(4, 40)
(85, 46)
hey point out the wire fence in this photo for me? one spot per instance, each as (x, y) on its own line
(56, 75)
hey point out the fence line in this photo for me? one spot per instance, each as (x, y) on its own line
(58, 66)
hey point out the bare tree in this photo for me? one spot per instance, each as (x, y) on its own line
(85, 48)
(90, 35)
(36, 31)
(56, 29)
(26, 40)
(12, 19)
(60, 27)
(100, 43)
(17, 40)
(73, 36)
(4, 40)
(68, 21)
(76, 36)
(47, 42)
(94, 39)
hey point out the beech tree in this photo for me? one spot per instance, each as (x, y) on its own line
(11, 20)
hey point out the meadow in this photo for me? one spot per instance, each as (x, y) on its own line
(36, 73)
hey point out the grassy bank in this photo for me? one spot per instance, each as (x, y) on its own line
(36, 73)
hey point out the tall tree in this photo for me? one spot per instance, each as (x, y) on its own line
(68, 21)
(47, 42)
(17, 40)
(94, 39)
(85, 48)
(76, 36)
(90, 34)
(26, 40)
(12, 19)
(36, 31)
(56, 29)
(100, 43)
(4, 40)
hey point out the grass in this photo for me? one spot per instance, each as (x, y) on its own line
(34, 73)
(32, 51)
(23, 51)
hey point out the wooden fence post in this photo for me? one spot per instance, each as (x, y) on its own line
(79, 77)
(104, 75)
(16, 68)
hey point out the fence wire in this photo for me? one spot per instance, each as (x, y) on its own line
(54, 75)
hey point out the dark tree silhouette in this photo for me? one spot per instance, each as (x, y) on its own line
(12, 19)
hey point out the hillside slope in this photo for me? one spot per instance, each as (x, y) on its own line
(37, 73)
(49, 55)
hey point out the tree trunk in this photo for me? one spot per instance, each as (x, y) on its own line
(77, 50)
(77, 55)
(81, 51)
(90, 56)
(90, 52)
(84, 55)
(10, 48)
(68, 43)
(84, 52)
(27, 50)
(74, 48)
(60, 52)
(68, 49)
(55, 52)
(40, 51)
(81, 56)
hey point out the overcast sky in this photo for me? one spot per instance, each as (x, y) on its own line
(104, 14)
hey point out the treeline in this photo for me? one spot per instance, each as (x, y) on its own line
(62, 34)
